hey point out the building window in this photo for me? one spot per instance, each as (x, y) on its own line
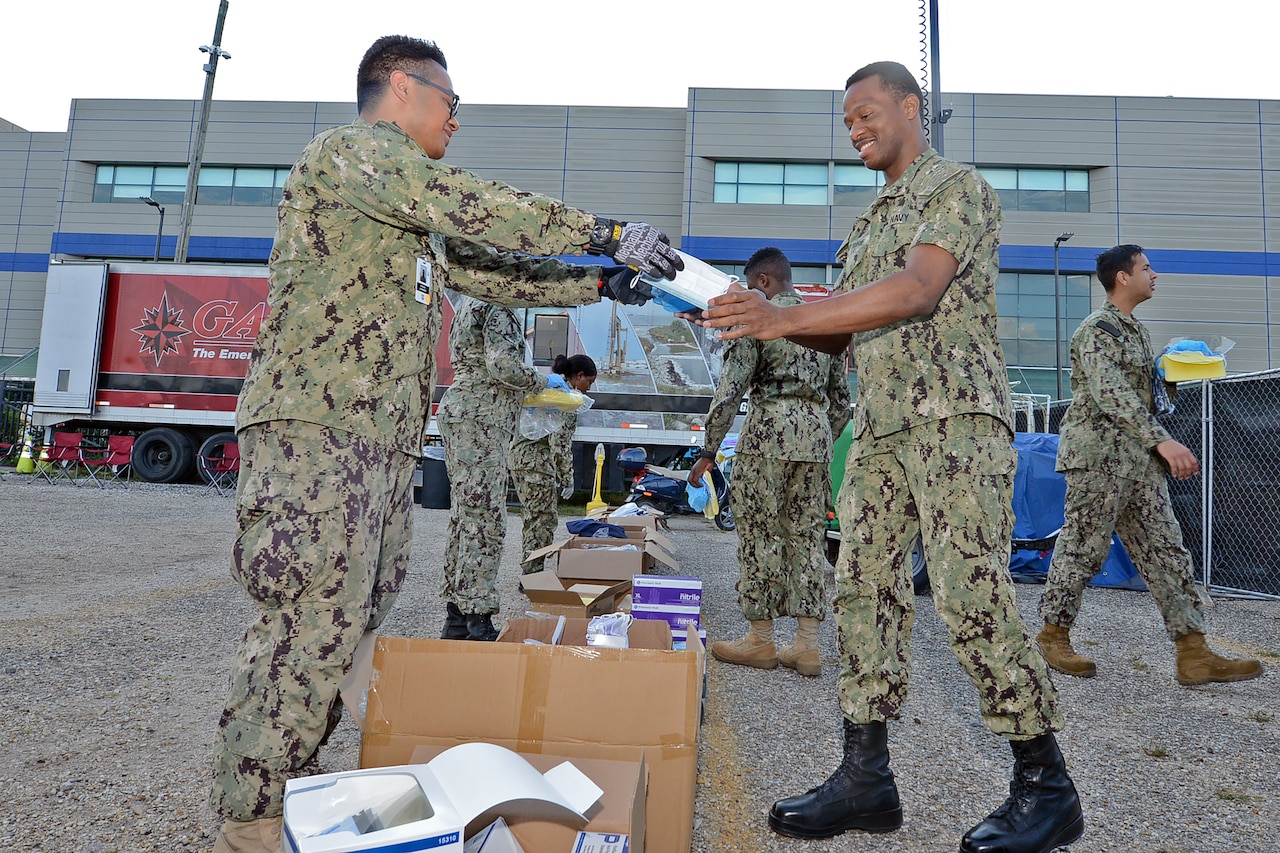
(1025, 321)
(856, 185)
(253, 186)
(1055, 190)
(771, 183)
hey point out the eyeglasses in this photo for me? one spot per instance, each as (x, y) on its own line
(453, 97)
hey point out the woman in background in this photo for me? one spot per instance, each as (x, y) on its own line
(543, 468)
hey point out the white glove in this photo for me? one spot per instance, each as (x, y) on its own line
(566, 492)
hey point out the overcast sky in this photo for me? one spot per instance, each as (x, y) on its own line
(628, 53)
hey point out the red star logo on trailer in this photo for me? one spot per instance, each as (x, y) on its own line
(161, 329)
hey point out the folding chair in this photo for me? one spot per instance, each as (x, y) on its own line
(59, 460)
(110, 464)
(221, 470)
(7, 452)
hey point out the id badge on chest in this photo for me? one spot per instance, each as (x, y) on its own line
(422, 282)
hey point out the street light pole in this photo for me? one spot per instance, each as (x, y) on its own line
(1057, 312)
(159, 231)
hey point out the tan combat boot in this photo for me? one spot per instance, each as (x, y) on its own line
(1055, 644)
(756, 649)
(250, 836)
(1197, 664)
(802, 655)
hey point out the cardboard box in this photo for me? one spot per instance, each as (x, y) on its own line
(590, 558)
(620, 810)
(549, 593)
(571, 701)
(649, 523)
(680, 639)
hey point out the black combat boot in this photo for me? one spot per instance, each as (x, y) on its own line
(455, 624)
(480, 627)
(1043, 810)
(861, 793)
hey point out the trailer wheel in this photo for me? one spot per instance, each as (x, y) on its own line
(919, 569)
(211, 451)
(163, 455)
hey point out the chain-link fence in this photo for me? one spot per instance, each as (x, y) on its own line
(1230, 514)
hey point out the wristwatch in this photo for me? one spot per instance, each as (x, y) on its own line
(605, 233)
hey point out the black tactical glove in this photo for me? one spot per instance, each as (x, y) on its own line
(636, 245)
(623, 284)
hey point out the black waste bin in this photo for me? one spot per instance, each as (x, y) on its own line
(435, 479)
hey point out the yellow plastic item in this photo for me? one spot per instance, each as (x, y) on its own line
(596, 502)
(1186, 366)
(554, 398)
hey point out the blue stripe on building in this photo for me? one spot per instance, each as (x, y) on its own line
(716, 249)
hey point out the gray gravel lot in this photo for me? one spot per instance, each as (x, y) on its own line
(120, 620)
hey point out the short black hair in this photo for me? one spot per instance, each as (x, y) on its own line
(572, 365)
(1115, 260)
(388, 54)
(769, 260)
(894, 77)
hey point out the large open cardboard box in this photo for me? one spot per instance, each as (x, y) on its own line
(575, 702)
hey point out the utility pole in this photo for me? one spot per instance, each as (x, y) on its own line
(215, 52)
(939, 116)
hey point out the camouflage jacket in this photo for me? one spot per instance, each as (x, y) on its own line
(551, 456)
(1111, 427)
(370, 232)
(798, 397)
(490, 378)
(949, 363)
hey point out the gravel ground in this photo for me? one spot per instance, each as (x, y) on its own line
(120, 621)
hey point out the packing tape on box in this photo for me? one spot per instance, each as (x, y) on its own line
(532, 713)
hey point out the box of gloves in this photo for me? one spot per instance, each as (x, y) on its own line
(675, 600)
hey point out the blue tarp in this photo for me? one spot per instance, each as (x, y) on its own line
(1039, 498)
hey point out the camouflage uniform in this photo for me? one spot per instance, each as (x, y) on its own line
(477, 419)
(933, 454)
(333, 409)
(541, 469)
(799, 399)
(1115, 481)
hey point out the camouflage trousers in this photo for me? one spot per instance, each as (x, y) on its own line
(324, 520)
(780, 506)
(952, 482)
(539, 493)
(475, 455)
(1142, 514)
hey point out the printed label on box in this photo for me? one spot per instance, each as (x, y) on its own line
(601, 842)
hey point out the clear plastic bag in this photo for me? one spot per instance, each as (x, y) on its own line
(540, 423)
(546, 411)
(694, 286)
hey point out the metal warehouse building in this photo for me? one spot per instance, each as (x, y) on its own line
(1197, 182)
